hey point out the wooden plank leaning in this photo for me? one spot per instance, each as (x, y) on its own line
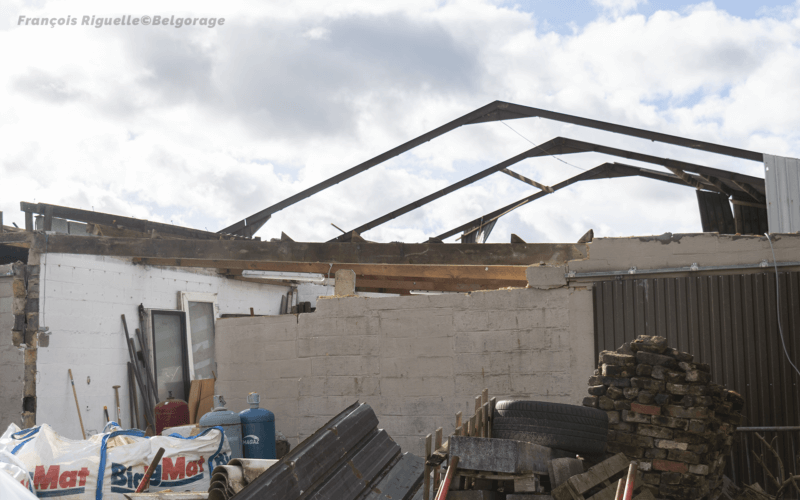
(426, 478)
(437, 440)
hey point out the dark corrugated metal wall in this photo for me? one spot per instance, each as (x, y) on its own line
(729, 322)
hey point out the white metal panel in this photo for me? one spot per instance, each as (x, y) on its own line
(783, 193)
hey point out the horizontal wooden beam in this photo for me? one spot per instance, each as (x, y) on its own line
(383, 290)
(466, 273)
(21, 239)
(323, 253)
(434, 285)
(119, 221)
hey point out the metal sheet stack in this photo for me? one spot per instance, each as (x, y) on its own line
(665, 412)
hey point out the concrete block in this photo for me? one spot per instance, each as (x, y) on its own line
(542, 384)
(500, 455)
(416, 323)
(328, 406)
(410, 346)
(523, 362)
(345, 365)
(429, 406)
(471, 320)
(561, 469)
(528, 484)
(545, 277)
(417, 367)
(417, 386)
(471, 384)
(340, 386)
(337, 346)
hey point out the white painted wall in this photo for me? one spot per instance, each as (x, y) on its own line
(11, 367)
(81, 302)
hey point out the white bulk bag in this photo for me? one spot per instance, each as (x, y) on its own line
(107, 465)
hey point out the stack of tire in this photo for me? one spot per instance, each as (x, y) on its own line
(578, 429)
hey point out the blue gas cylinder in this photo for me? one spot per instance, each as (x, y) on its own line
(229, 421)
(258, 429)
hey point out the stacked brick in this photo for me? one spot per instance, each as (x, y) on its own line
(664, 412)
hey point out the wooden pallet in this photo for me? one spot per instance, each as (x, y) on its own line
(605, 475)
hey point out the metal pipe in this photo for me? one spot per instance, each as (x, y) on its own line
(631, 483)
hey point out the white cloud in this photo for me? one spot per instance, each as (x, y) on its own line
(206, 126)
(619, 7)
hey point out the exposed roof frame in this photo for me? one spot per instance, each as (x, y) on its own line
(497, 110)
(604, 171)
(563, 145)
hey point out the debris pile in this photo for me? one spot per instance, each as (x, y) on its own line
(664, 411)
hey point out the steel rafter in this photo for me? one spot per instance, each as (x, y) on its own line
(494, 111)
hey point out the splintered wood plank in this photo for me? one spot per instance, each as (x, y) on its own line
(595, 475)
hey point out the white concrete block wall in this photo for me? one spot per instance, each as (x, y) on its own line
(416, 360)
(81, 300)
(11, 362)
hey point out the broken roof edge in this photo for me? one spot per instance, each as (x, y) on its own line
(636, 255)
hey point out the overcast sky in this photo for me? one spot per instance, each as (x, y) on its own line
(203, 126)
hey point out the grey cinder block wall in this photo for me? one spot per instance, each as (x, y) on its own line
(416, 360)
(11, 358)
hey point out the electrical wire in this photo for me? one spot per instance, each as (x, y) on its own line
(778, 304)
(543, 150)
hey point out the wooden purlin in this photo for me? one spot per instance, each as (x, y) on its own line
(471, 274)
(323, 254)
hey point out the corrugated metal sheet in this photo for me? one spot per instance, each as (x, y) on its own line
(347, 458)
(728, 321)
(750, 220)
(715, 213)
(782, 177)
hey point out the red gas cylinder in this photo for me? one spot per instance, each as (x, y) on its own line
(171, 413)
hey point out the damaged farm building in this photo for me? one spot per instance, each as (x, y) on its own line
(230, 367)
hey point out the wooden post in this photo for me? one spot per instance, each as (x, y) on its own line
(485, 419)
(458, 424)
(473, 430)
(492, 403)
(437, 444)
(485, 396)
(48, 218)
(1, 221)
(478, 424)
(426, 478)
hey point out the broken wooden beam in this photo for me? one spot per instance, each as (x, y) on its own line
(217, 254)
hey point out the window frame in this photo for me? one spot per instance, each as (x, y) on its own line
(184, 344)
(185, 298)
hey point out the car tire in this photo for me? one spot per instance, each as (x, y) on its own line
(577, 429)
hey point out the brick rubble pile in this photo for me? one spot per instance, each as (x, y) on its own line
(664, 412)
